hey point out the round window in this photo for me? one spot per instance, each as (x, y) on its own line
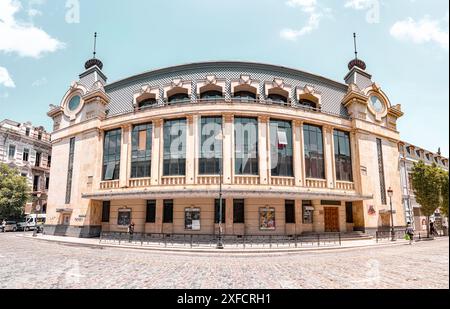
(74, 103)
(376, 103)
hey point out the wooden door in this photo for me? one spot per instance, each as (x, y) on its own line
(331, 219)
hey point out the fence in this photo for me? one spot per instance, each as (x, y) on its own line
(400, 234)
(229, 241)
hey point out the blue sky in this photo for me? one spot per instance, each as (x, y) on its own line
(44, 44)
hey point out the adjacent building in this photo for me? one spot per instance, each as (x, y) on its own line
(410, 154)
(28, 149)
(290, 151)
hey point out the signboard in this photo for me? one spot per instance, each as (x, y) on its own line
(192, 219)
(267, 219)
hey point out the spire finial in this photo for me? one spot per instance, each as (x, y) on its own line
(95, 44)
(356, 62)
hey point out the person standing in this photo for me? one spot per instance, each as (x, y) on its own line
(131, 231)
(410, 232)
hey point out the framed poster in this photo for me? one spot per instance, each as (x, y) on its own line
(124, 217)
(192, 219)
(267, 219)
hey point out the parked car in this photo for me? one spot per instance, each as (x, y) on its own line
(10, 226)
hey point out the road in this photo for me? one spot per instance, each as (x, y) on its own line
(29, 263)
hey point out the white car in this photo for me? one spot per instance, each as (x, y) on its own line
(10, 226)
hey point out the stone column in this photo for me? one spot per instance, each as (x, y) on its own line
(298, 153)
(298, 217)
(97, 174)
(228, 149)
(125, 154)
(328, 156)
(342, 218)
(318, 217)
(159, 216)
(263, 151)
(190, 148)
(229, 217)
(355, 161)
(302, 155)
(157, 142)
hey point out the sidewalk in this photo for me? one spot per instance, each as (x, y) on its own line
(184, 248)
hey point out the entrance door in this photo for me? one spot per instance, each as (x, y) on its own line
(331, 219)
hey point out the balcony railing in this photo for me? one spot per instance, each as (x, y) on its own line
(208, 180)
(316, 183)
(282, 181)
(345, 185)
(173, 180)
(164, 102)
(140, 182)
(111, 184)
(246, 180)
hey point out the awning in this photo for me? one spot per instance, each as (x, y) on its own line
(64, 210)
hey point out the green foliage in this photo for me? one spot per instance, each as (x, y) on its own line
(426, 183)
(14, 192)
(444, 193)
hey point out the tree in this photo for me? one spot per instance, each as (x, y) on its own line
(444, 193)
(14, 192)
(426, 183)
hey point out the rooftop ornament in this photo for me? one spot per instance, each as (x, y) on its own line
(94, 61)
(356, 62)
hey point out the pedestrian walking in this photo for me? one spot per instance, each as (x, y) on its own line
(131, 231)
(410, 233)
(433, 229)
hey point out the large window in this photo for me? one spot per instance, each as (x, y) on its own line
(26, 154)
(179, 97)
(210, 146)
(289, 211)
(211, 95)
(281, 150)
(381, 171)
(343, 156)
(238, 211)
(217, 210)
(150, 216)
(70, 170)
(314, 158)
(246, 146)
(308, 210)
(277, 98)
(168, 211)
(141, 152)
(175, 147)
(106, 208)
(111, 154)
(37, 162)
(245, 96)
(12, 151)
(349, 212)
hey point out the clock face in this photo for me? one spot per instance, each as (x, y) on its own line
(74, 103)
(377, 105)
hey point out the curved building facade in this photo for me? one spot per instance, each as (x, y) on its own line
(288, 151)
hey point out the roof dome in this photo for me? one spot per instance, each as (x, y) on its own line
(93, 62)
(357, 63)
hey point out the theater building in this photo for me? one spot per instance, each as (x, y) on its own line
(290, 151)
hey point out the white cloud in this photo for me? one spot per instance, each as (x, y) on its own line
(315, 15)
(5, 79)
(359, 4)
(22, 38)
(423, 31)
(40, 82)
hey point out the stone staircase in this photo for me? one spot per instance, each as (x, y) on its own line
(345, 236)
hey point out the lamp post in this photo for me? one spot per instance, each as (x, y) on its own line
(390, 194)
(37, 209)
(220, 239)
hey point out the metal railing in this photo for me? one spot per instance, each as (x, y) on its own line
(400, 234)
(164, 102)
(199, 241)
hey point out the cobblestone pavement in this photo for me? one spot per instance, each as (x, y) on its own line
(28, 263)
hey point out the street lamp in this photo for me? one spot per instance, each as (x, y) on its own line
(220, 239)
(37, 209)
(390, 194)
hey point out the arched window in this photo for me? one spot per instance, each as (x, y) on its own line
(147, 102)
(307, 103)
(245, 95)
(277, 98)
(178, 97)
(211, 95)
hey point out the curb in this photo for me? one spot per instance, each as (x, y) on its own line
(215, 251)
